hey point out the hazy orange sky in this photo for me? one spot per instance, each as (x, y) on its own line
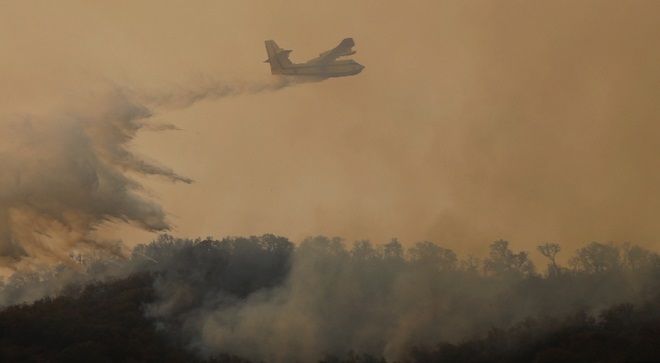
(525, 120)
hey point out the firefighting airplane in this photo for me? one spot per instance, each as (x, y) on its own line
(324, 66)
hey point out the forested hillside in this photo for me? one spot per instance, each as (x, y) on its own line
(264, 299)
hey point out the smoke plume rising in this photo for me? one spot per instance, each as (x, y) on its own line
(71, 171)
(67, 173)
(261, 299)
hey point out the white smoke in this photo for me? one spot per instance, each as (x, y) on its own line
(205, 88)
(68, 172)
(65, 174)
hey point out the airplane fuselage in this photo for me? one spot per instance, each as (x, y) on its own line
(338, 68)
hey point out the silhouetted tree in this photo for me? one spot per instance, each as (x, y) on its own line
(430, 254)
(393, 250)
(637, 259)
(363, 250)
(596, 258)
(502, 261)
(471, 264)
(550, 251)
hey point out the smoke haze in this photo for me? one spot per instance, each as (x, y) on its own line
(525, 121)
(473, 121)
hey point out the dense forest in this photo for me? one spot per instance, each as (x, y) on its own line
(264, 299)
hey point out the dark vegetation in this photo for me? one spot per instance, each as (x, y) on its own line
(621, 333)
(144, 314)
(104, 322)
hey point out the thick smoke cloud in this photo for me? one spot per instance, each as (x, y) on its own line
(67, 173)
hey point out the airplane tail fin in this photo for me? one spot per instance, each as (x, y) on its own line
(277, 57)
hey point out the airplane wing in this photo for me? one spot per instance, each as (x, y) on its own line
(344, 48)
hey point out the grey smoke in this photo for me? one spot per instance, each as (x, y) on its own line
(379, 300)
(206, 88)
(67, 173)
